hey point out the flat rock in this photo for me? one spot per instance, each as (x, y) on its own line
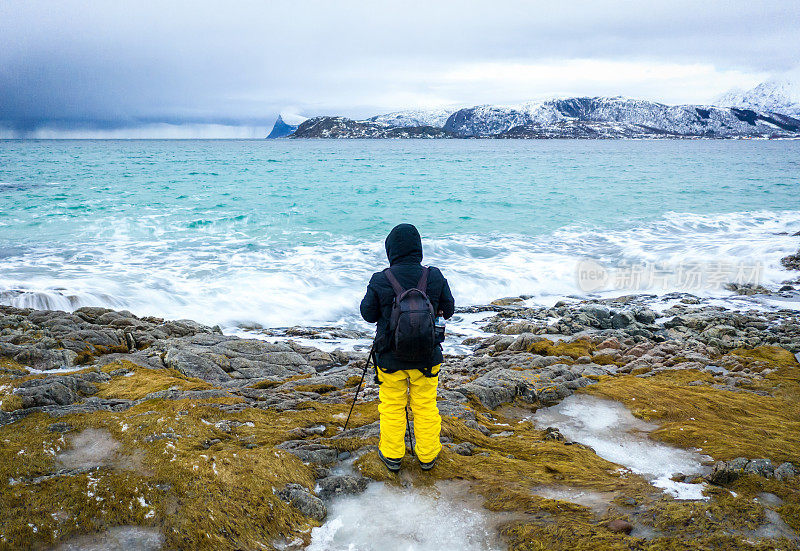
(194, 365)
(310, 452)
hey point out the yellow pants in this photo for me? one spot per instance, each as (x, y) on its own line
(395, 390)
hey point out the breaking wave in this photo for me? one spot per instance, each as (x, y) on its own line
(225, 279)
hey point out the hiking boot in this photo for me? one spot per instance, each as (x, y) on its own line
(429, 465)
(392, 464)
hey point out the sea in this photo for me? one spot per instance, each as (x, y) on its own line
(253, 234)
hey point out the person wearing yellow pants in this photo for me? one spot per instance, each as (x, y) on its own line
(407, 372)
(395, 391)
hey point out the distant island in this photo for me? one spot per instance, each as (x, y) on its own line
(770, 110)
(281, 128)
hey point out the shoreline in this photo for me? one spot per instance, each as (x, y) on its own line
(173, 398)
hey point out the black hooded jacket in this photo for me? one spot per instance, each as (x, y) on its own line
(404, 251)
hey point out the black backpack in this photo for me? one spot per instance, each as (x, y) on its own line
(411, 325)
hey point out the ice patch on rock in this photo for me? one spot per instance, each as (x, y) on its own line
(90, 448)
(386, 518)
(118, 538)
(617, 436)
(57, 371)
(598, 502)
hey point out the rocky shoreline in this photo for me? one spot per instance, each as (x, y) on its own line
(169, 433)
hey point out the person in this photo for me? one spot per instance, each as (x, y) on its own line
(400, 379)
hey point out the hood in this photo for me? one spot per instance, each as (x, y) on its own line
(404, 245)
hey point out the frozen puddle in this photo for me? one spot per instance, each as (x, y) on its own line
(617, 436)
(119, 538)
(386, 518)
(598, 502)
(90, 448)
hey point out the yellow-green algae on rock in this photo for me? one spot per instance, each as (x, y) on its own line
(8, 367)
(141, 381)
(724, 424)
(204, 472)
(217, 496)
(505, 469)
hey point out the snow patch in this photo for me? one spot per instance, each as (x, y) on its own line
(775, 95)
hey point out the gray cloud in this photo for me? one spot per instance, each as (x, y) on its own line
(110, 65)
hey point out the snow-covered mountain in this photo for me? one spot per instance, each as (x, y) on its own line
(342, 127)
(486, 120)
(679, 120)
(777, 95)
(412, 117)
(588, 118)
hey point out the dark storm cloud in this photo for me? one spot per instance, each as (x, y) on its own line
(120, 64)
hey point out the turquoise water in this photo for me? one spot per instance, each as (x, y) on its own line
(283, 232)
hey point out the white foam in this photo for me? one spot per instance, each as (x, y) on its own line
(617, 436)
(214, 275)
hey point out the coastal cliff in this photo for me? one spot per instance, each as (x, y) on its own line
(169, 433)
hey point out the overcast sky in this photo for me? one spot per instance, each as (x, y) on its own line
(201, 68)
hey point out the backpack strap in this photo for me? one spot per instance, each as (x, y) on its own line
(423, 280)
(398, 289)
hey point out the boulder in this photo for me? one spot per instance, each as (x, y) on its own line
(464, 448)
(91, 313)
(309, 452)
(46, 359)
(622, 319)
(610, 343)
(523, 342)
(336, 485)
(49, 393)
(597, 315)
(724, 472)
(645, 316)
(107, 338)
(456, 408)
(501, 386)
(505, 343)
(760, 467)
(552, 433)
(304, 501)
(619, 526)
(184, 328)
(791, 262)
(553, 394)
(785, 471)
